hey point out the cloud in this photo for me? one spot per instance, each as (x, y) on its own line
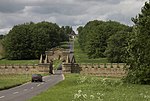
(66, 12)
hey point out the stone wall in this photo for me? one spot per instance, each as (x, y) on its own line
(70, 68)
(112, 70)
(22, 69)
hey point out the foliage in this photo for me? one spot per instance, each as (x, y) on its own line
(116, 47)
(81, 57)
(94, 35)
(139, 48)
(29, 40)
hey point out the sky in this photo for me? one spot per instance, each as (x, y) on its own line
(73, 13)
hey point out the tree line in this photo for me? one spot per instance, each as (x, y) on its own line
(121, 43)
(101, 39)
(30, 40)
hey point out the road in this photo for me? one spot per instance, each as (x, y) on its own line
(71, 45)
(28, 90)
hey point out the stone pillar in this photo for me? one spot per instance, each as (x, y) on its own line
(73, 59)
(46, 59)
(68, 59)
(41, 59)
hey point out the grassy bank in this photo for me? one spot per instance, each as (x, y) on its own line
(8, 81)
(82, 57)
(12, 80)
(86, 88)
(4, 61)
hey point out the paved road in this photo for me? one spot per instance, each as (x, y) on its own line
(71, 45)
(28, 90)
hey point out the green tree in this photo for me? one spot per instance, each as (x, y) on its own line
(29, 40)
(18, 43)
(139, 48)
(94, 35)
(116, 47)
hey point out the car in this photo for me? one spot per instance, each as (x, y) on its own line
(37, 77)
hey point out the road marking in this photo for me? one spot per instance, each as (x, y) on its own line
(15, 92)
(31, 87)
(38, 85)
(2, 97)
(25, 89)
(42, 83)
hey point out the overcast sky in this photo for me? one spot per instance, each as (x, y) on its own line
(66, 12)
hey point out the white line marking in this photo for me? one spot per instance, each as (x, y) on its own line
(42, 83)
(2, 97)
(38, 85)
(25, 89)
(31, 87)
(15, 92)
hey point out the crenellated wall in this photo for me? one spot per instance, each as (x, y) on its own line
(109, 69)
(22, 69)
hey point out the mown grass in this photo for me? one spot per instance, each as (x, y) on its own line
(21, 62)
(12, 80)
(89, 88)
(81, 57)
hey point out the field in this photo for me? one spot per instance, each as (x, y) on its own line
(81, 57)
(89, 88)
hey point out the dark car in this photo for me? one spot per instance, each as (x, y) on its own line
(37, 77)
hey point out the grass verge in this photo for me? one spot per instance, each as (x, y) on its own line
(12, 80)
(81, 57)
(21, 62)
(89, 88)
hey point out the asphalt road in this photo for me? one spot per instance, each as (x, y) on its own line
(71, 45)
(28, 90)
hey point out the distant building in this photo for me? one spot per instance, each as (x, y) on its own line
(72, 35)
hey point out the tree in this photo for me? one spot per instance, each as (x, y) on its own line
(116, 47)
(18, 43)
(139, 48)
(29, 40)
(94, 35)
(68, 29)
